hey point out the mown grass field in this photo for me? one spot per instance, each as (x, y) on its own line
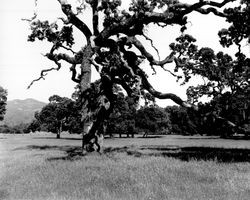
(38, 166)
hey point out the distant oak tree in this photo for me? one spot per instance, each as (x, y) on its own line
(115, 50)
(57, 115)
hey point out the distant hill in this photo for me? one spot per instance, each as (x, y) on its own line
(21, 111)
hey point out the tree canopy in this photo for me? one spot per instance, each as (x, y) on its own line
(59, 114)
(115, 50)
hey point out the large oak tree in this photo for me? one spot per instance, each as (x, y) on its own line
(113, 31)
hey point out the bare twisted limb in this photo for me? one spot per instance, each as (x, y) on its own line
(169, 59)
(146, 85)
(152, 44)
(44, 72)
(187, 8)
(34, 15)
(149, 56)
(42, 75)
(56, 58)
(31, 19)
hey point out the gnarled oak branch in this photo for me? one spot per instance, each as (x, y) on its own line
(73, 19)
(150, 58)
(146, 85)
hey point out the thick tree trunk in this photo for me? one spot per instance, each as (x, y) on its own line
(59, 130)
(85, 78)
(93, 139)
(93, 130)
(58, 135)
(86, 128)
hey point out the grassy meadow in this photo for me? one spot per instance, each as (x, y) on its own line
(38, 166)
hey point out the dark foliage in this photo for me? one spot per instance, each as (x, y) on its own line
(154, 120)
(61, 114)
(17, 129)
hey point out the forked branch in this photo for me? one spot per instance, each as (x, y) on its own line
(149, 56)
(56, 58)
(146, 85)
(73, 19)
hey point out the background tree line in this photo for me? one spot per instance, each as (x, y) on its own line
(63, 114)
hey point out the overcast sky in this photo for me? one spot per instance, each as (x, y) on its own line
(22, 61)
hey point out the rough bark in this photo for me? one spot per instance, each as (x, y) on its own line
(85, 80)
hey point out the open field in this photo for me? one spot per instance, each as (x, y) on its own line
(38, 166)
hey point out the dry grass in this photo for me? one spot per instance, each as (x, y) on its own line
(40, 167)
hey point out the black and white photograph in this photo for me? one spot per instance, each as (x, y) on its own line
(125, 100)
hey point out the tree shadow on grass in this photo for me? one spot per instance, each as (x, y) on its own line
(62, 138)
(237, 137)
(150, 137)
(222, 155)
(71, 152)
